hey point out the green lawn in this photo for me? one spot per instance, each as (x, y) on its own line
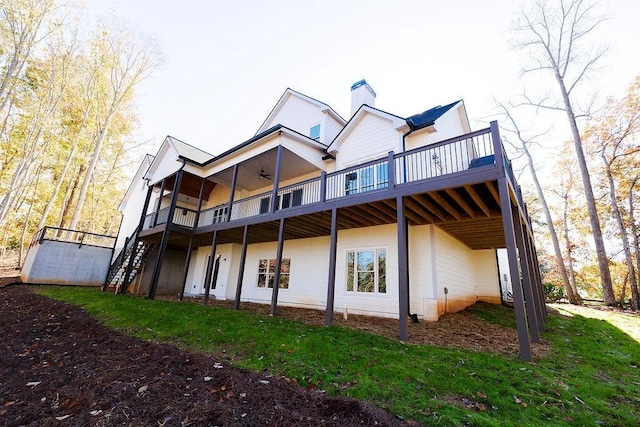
(591, 377)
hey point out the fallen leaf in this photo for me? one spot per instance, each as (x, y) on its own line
(2, 411)
(33, 383)
(482, 395)
(62, 418)
(9, 403)
(207, 378)
(264, 382)
(517, 400)
(524, 404)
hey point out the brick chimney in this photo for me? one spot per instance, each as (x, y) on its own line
(361, 93)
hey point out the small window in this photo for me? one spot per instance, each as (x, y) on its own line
(314, 133)
(267, 273)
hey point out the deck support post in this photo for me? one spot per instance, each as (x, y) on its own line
(516, 283)
(276, 180)
(234, 179)
(276, 278)
(243, 260)
(207, 276)
(403, 269)
(331, 282)
(165, 235)
(535, 279)
(538, 278)
(159, 202)
(527, 284)
(187, 260)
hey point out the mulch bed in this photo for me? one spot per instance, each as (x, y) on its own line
(59, 366)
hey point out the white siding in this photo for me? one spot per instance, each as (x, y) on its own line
(132, 208)
(332, 129)
(373, 137)
(299, 115)
(448, 126)
(165, 164)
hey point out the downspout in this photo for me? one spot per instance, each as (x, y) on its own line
(412, 316)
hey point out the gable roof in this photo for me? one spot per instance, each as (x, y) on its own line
(429, 117)
(290, 92)
(397, 121)
(187, 151)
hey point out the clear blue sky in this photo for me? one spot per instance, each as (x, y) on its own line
(228, 62)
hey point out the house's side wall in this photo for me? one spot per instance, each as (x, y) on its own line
(372, 138)
(468, 275)
(131, 214)
(299, 115)
(332, 129)
(487, 276)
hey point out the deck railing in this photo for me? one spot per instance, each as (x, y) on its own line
(213, 215)
(365, 177)
(443, 158)
(72, 236)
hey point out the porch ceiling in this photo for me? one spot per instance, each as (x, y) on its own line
(190, 186)
(470, 213)
(292, 167)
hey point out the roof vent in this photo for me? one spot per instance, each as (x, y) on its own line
(361, 93)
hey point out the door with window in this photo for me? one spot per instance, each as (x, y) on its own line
(219, 274)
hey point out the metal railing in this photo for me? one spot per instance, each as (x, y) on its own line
(73, 236)
(213, 215)
(443, 158)
(366, 177)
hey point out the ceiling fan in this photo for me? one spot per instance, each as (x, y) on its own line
(264, 175)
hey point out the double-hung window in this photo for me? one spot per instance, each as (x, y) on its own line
(367, 271)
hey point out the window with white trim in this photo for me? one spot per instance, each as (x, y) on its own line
(267, 273)
(367, 271)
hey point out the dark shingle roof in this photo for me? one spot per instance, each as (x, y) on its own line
(429, 117)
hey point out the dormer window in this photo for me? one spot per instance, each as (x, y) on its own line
(314, 132)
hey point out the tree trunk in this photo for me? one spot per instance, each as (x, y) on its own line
(573, 298)
(631, 276)
(565, 222)
(603, 260)
(635, 294)
(92, 166)
(47, 209)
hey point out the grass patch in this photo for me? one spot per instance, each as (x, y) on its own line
(592, 375)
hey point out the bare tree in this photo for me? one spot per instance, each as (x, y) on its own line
(522, 145)
(558, 36)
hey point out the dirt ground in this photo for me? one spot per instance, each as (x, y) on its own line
(58, 366)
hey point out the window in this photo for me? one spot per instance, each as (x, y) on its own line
(267, 273)
(367, 178)
(287, 200)
(314, 132)
(367, 271)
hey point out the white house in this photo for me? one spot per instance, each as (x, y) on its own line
(383, 215)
